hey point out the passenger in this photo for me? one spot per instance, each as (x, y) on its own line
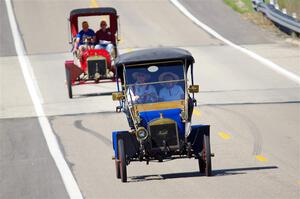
(84, 39)
(104, 38)
(140, 92)
(170, 91)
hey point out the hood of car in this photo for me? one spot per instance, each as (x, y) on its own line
(173, 114)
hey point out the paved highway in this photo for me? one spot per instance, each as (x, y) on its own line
(254, 112)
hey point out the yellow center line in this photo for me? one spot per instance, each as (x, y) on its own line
(196, 112)
(93, 4)
(121, 41)
(128, 50)
(261, 158)
(224, 135)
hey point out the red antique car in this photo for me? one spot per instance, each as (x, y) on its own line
(91, 65)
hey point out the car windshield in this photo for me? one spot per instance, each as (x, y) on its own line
(155, 83)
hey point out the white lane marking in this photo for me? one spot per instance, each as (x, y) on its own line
(259, 58)
(63, 168)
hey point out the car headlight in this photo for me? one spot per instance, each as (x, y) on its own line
(141, 134)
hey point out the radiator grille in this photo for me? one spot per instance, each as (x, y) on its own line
(95, 66)
(164, 133)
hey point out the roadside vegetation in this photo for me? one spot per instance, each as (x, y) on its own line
(291, 6)
(241, 6)
(245, 6)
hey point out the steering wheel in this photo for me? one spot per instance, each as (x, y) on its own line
(87, 41)
(152, 96)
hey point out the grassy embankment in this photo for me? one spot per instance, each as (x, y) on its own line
(245, 6)
(241, 6)
(291, 6)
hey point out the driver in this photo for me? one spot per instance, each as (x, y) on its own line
(142, 93)
(170, 91)
(84, 39)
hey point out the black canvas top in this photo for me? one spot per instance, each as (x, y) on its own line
(154, 54)
(92, 11)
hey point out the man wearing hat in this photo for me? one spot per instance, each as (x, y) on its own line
(140, 92)
(170, 91)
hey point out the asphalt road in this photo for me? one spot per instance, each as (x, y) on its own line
(27, 171)
(7, 46)
(229, 24)
(256, 108)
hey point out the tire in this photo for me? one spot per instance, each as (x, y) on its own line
(204, 159)
(207, 156)
(122, 159)
(201, 165)
(118, 172)
(69, 83)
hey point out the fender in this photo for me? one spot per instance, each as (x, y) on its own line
(196, 137)
(130, 143)
(74, 69)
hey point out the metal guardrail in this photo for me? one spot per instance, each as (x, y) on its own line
(277, 16)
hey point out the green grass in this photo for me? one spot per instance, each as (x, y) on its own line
(241, 6)
(245, 6)
(291, 6)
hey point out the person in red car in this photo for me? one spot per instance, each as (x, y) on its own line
(84, 39)
(104, 38)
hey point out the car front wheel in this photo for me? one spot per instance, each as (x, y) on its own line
(118, 173)
(122, 159)
(204, 159)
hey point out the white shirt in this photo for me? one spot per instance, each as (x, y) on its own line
(142, 93)
(171, 94)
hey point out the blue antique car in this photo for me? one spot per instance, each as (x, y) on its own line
(156, 92)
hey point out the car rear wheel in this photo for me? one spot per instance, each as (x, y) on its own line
(122, 159)
(118, 173)
(69, 83)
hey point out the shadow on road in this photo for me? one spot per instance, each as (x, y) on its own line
(93, 95)
(216, 173)
(78, 124)
(235, 171)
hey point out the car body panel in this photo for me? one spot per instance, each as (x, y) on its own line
(173, 114)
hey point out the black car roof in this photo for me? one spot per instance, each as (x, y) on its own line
(152, 55)
(92, 11)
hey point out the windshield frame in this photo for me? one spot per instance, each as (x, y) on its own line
(145, 65)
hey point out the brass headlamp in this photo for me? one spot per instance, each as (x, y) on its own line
(141, 134)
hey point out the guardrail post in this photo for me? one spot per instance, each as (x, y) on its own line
(280, 17)
(293, 35)
(284, 11)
